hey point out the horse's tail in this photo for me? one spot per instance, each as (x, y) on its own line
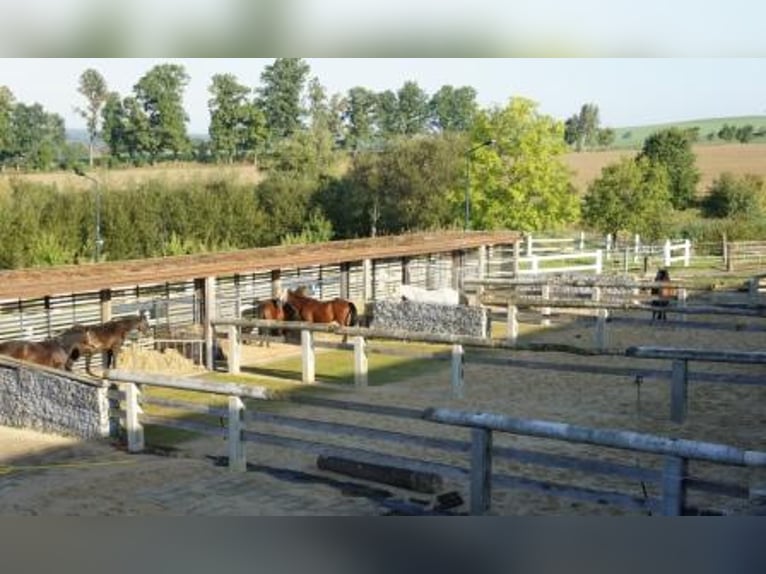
(353, 316)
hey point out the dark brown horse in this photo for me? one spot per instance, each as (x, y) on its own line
(662, 295)
(50, 353)
(107, 337)
(274, 310)
(340, 311)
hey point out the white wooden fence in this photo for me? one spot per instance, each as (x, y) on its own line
(674, 479)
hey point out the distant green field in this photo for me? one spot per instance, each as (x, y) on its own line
(634, 136)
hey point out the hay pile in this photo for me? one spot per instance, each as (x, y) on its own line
(169, 361)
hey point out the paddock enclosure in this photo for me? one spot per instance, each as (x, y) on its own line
(554, 369)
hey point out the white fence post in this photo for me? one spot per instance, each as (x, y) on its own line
(481, 471)
(666, 253)
(535, 264)
(235, 349)
(516, 258)
(599, 262)
(308, 358)
(682, 302)
(458, 360)
(210, 303)
(529, 245)
(237, 461)
(582, 241)
(673, 485)
(601, 328)
(636, 247)
(132, 411)
(513, 323)
(679, 387)
(687, 252)
(545, 312)
(360, 362)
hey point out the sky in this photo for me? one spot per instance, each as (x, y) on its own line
(628, 92)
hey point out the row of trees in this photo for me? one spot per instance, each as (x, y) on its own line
(246, 123)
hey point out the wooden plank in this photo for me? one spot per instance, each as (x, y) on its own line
(576, 463)
(707, 355)
(632, 372)
(190, 384)
(384, 410)
(182, 424)
(577, 492)
(185, 405)
(417, 481)
(336, 428)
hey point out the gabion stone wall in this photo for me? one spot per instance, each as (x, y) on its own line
(429, 318)
(42, 400)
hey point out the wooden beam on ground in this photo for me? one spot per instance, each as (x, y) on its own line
(417, 481)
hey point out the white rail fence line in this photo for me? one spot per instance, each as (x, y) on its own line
(678, 376)
(674, 479)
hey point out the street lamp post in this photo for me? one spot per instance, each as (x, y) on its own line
(97, 193)
(468, 156)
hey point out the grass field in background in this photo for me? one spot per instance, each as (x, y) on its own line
(634, 136)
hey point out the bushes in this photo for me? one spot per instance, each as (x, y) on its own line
(738, 197)
(42, 225)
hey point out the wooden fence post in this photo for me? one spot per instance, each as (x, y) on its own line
(481, 471)
(458, 360)
(367, 280)
(513, 323)
(666, 253)
(687, 252)
(308, 358)
(237, 461)
(360, 362)
(682, 302)
(679, 385)
(209, 297)
(135, 429)
(599, 261)
(235, 349)
(673, 485)
(345, 292)
(545, 312)
(276, 282)
(529, 245)
(105, 301)
(582, 241)
(516, 258)
(601, 328)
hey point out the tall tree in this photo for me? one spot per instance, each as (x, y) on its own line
(38, 136)
(582, 129)
(93, 88)
(279, 96)
(387, 120)
(235, 125)
(114, 122)
(138, 136)
(671, 148)
(6, 111)
(629, 196)
(521, 182)
(160, 94)
(360, 115)
(412, 108)
(453, 109)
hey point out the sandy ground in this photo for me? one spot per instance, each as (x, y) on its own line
(100, 478)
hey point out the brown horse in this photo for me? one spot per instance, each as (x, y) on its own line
(340, 311)
(662, 295)
(274, 310)
(49, 353)
(107, 337)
